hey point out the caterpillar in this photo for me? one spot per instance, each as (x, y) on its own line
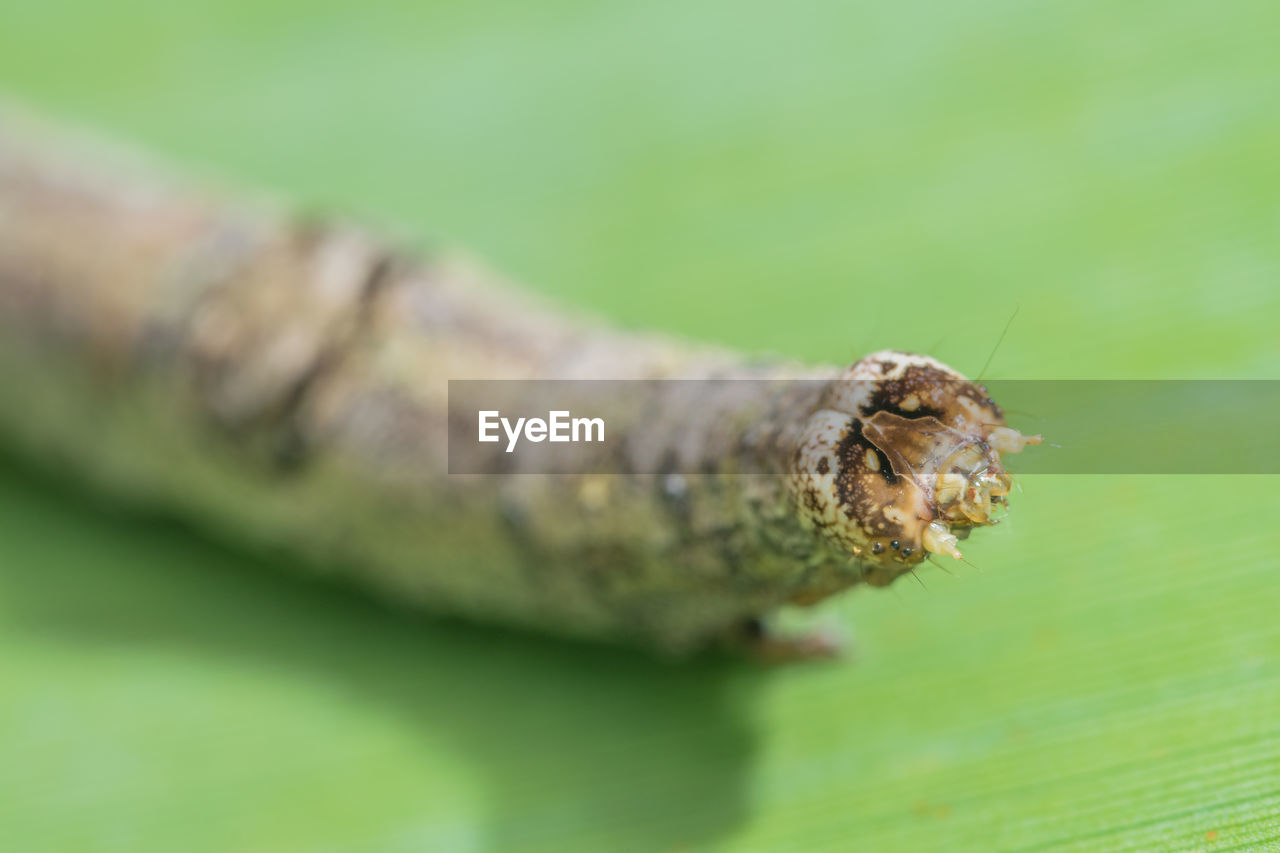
(286, 383)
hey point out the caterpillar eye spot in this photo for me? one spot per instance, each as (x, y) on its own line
(877, 548)
(894, 544)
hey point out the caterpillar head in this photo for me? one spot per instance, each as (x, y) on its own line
(902, 459)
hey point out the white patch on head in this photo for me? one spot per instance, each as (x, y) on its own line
(890, 364)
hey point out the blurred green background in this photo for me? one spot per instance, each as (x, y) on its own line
(811, 178)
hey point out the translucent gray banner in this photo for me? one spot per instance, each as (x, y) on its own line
(731, 425)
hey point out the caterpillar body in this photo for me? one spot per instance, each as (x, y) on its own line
(287, 383)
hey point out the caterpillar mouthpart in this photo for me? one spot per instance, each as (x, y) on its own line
(938, 539)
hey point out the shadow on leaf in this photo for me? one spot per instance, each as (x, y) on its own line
(570, 741)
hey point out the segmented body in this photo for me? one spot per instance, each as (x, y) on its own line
(286, 383)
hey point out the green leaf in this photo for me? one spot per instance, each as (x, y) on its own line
(819, 179)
